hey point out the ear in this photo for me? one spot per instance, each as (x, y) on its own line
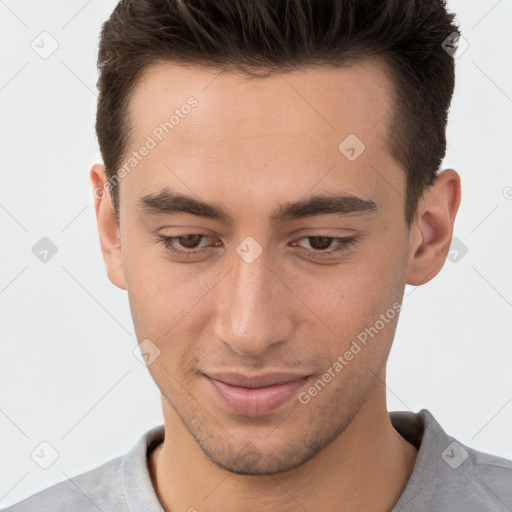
(110, 239)
(431, 234)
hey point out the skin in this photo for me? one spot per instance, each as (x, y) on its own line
(249, 146)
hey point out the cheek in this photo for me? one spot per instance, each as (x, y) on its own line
(153, 287)
(362, 287)
(167, 300)
(167, 310)
(359, 303)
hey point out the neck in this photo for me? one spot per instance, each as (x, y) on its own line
(366, 468)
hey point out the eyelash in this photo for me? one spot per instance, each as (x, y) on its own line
(345, 244)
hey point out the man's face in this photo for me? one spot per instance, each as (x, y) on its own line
(253, 147)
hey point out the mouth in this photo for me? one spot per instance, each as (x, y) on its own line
(254, 395)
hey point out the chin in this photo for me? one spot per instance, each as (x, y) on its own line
(247, 458)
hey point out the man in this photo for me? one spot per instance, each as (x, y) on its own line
(270, 185)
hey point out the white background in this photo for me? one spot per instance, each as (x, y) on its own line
(67, 372)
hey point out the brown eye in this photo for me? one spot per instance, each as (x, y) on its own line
(189, 241)
(188, 245)
(320, 243)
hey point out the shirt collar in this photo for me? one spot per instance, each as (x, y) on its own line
(420, 429)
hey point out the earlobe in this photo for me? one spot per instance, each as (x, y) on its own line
(432, 232)
(108, 229)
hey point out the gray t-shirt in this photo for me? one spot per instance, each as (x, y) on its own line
(447, 476)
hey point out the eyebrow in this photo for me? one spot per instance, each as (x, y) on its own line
(168, 202)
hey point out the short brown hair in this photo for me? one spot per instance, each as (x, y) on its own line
(269, 36)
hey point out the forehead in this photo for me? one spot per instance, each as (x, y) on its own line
(261, 131)
(354, 97)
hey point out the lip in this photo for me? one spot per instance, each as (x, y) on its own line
(254, 395)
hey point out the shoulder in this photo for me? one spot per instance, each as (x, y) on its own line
(119, 485)
(492, 473)
(97, 489)
(449, 475)
(473, 479)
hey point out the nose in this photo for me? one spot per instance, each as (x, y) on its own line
(254, 307)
